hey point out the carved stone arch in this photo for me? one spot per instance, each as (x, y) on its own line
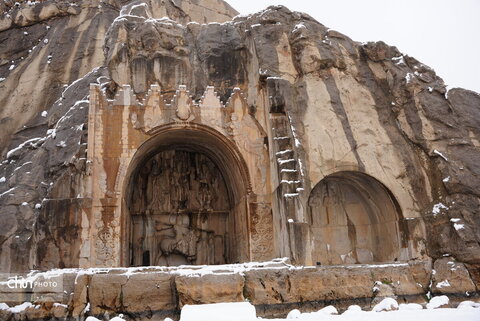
(191, 142)
(356, 219)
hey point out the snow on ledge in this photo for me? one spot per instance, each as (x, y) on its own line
(200, 270)
(437, 208)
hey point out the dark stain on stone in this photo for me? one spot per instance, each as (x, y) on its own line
(339, 109)
(380, 93)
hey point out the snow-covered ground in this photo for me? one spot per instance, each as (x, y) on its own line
(386, 310)
(403, 314)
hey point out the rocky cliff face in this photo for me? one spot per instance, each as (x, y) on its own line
(47, 45)
(377, 107)
(364, 107)
(51, 51)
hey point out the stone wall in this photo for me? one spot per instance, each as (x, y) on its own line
(273, 287)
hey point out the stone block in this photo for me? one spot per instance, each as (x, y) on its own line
(421, 272)
(451, 277)
(274, 286)
(330, 283)
(399, 277)
(105, 292)
(209, 288)
(474, 270)
(149, 292)
(267, 286)
(79, 299)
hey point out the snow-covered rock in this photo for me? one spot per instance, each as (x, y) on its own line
(294, 314)
(387, 304)
(410, 306)
(468, 305)
(438, 301)
(353, 309)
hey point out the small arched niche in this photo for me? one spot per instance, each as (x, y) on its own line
(355, 219)
(186, 201)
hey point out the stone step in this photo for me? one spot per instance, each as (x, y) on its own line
(288, 174)
(282, 143)
(284, 153)
(287, 165)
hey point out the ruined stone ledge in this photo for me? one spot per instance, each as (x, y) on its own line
(274, 287)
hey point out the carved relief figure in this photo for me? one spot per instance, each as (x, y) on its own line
(154, 186)
(204, 178)
(180, 211)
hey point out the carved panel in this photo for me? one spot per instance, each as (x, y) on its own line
(184, 104)
(105, 247)
(261, 231)
(180, 211)
(175, 204)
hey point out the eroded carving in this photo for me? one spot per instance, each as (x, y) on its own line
(183, 103)
(105, 247)
(355, 220)
(262, 231)
(180, 211)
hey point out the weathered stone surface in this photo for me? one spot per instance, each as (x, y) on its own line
(451, 277)
(343, 82)
(79, 297)
(276, 286)
(5, 314)
(381, 291)
(50, 164)
(59, 43)
(50, 52)
(149, 292)
(105, 292)
(273, 287)
(474, 270)
(266, 286)
(59, 311)
(209, 288)
(421, 273)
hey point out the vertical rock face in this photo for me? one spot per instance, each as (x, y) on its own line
(347, 107)
(47, 45)
(336, 116)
